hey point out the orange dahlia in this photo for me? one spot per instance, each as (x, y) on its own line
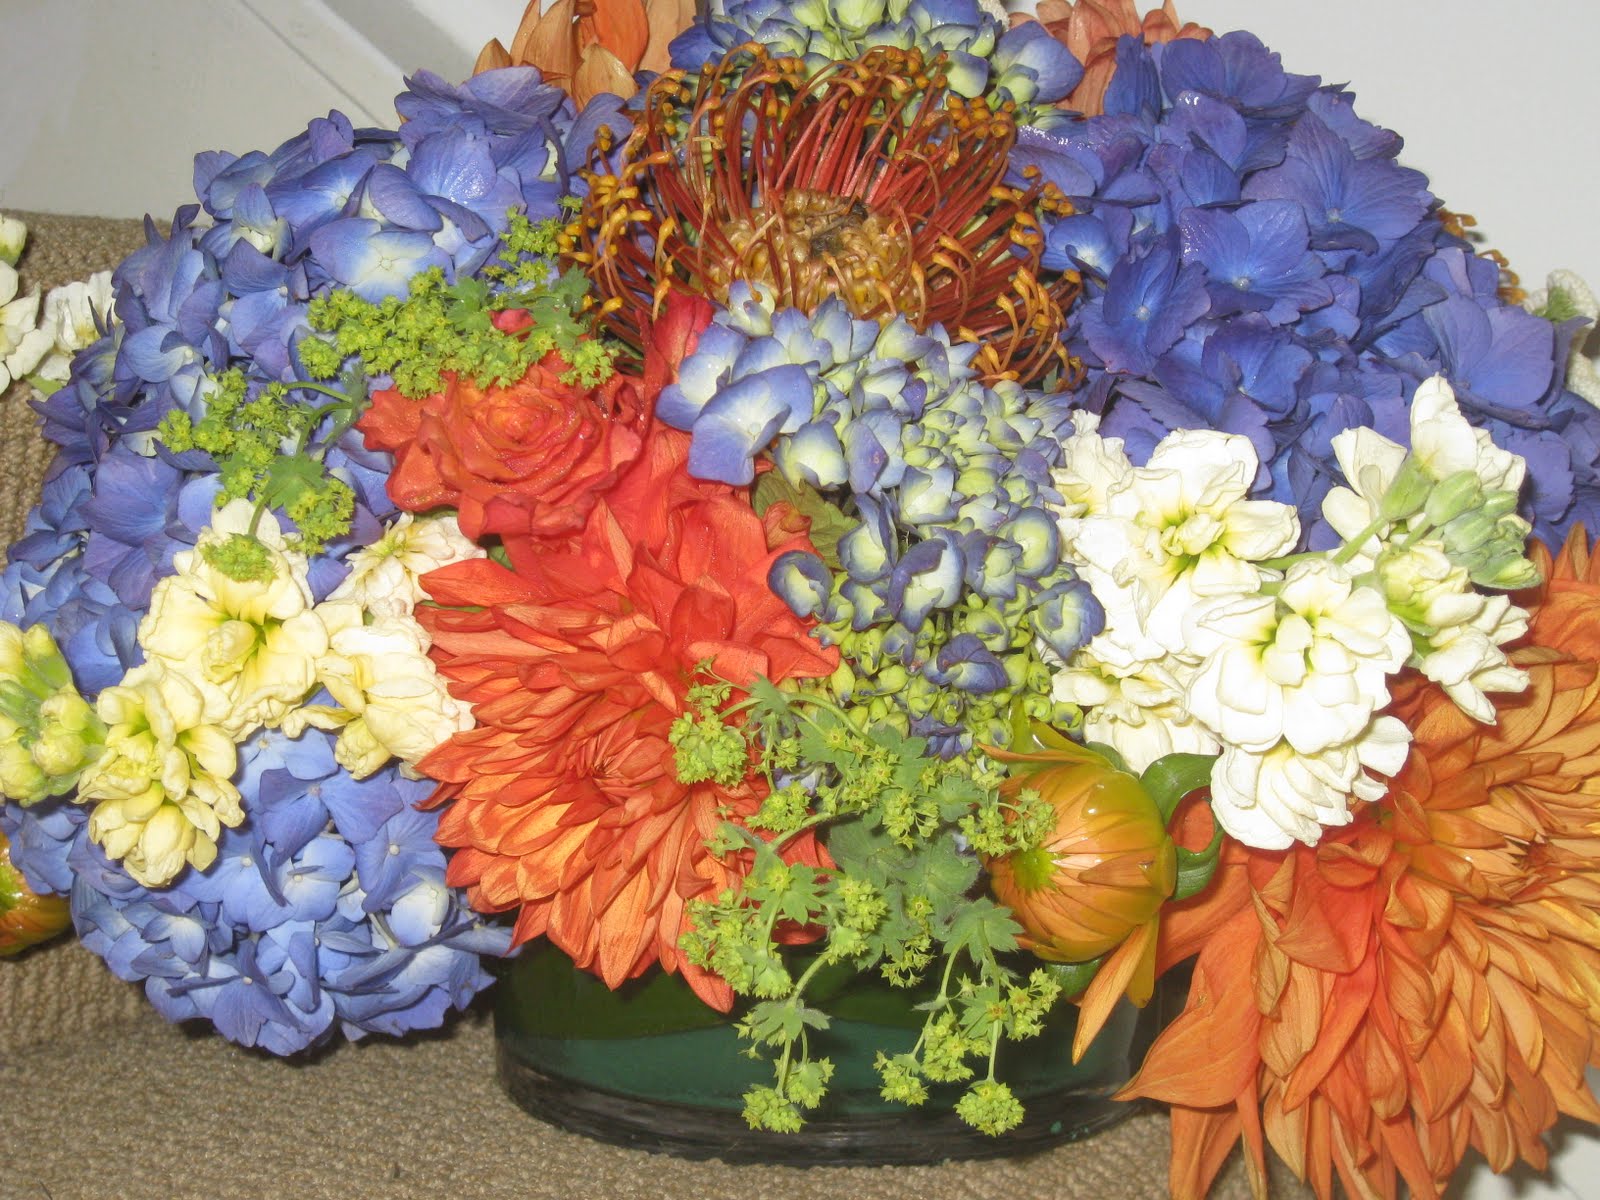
(1427, 980)
(1090, 29)
(564, 803)
(26, 919)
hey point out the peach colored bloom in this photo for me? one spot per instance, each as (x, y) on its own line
(1090, 29)
(589, 47)
(1427, 980)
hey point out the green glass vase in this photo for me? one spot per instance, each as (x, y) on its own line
(651, 1067)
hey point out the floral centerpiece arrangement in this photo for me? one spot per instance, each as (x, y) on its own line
(1001, 506)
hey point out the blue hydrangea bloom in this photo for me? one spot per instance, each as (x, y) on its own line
(327, 911)
(1025, 65)
(1255, 260)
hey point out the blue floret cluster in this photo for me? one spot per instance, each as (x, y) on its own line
(327, 909)
(951, 565)
(1255, 260)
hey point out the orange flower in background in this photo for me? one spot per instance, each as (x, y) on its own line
(1090, 29)
(590, 47)
(528, 458)
(1427, 980)
(26, 919)
(565, 802)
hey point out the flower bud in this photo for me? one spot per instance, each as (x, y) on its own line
(1408, 493)
(1103, 872)
(26, 919)
(1450, 498)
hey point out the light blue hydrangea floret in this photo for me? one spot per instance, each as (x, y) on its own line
(1025, 65)
(950, 565)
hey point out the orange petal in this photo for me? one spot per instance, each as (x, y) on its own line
(600, 72)
(550, 42)
(1130, 969)
(491, 58)
(621, 27)
(667, 18)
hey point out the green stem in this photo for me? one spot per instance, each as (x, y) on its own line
(1352, 547)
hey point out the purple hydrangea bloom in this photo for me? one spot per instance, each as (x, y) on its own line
(326, 911)
(1255, 260)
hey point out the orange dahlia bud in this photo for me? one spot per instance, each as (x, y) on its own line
(25, 918)
(1104, 872)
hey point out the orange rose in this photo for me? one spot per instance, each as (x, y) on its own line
(527, 459)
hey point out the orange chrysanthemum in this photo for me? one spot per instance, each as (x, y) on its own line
(1090, 29)
(564, 802)
(1427, 980)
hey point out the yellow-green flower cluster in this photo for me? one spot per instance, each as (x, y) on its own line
(161, 789)
(48, 732)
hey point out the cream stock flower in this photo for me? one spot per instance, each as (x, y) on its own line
(392, 702)
(162, 782)
(1308, 666)
(22, 344)
(1272, 799)
(250, 646)
(1139, 714)
(72, 318)
(383, 576)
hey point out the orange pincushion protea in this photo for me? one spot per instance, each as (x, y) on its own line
(867, 180)
(26, 919)
(1091, 28)
(1427, 980)
(565, 801)
(1097, 884)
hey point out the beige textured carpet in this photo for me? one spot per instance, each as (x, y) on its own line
(99, 1099)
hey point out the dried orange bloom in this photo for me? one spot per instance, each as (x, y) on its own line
(1097, 884)
(867, 180)
(1090, 29)
(1427, 980)
(589, 47)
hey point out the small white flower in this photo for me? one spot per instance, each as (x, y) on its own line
(22, 343)
(1309, 666)
(381, 675)
(1467, 661)
(384, 576)
(1583, 378)
(1140, 715)
(72, 319)
(1446, 444)
(13, 237)
(1271, 799)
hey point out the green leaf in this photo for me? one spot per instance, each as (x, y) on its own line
(1074, 977)
(828, 522)
(983, 929)
(1195, 868)
(1173, 776)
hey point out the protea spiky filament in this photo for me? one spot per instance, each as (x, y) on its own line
(867, 180)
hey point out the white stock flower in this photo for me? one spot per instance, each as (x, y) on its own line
(1271, 799)
(381, 676)
(22, 343)
(1140, 715)
(13, 237)
(1446, 444)
(383, 576)
(1574, 298)
(250, 645)
(1309, 666)
(1158, 543)
(1467, 661)
(72, 319)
